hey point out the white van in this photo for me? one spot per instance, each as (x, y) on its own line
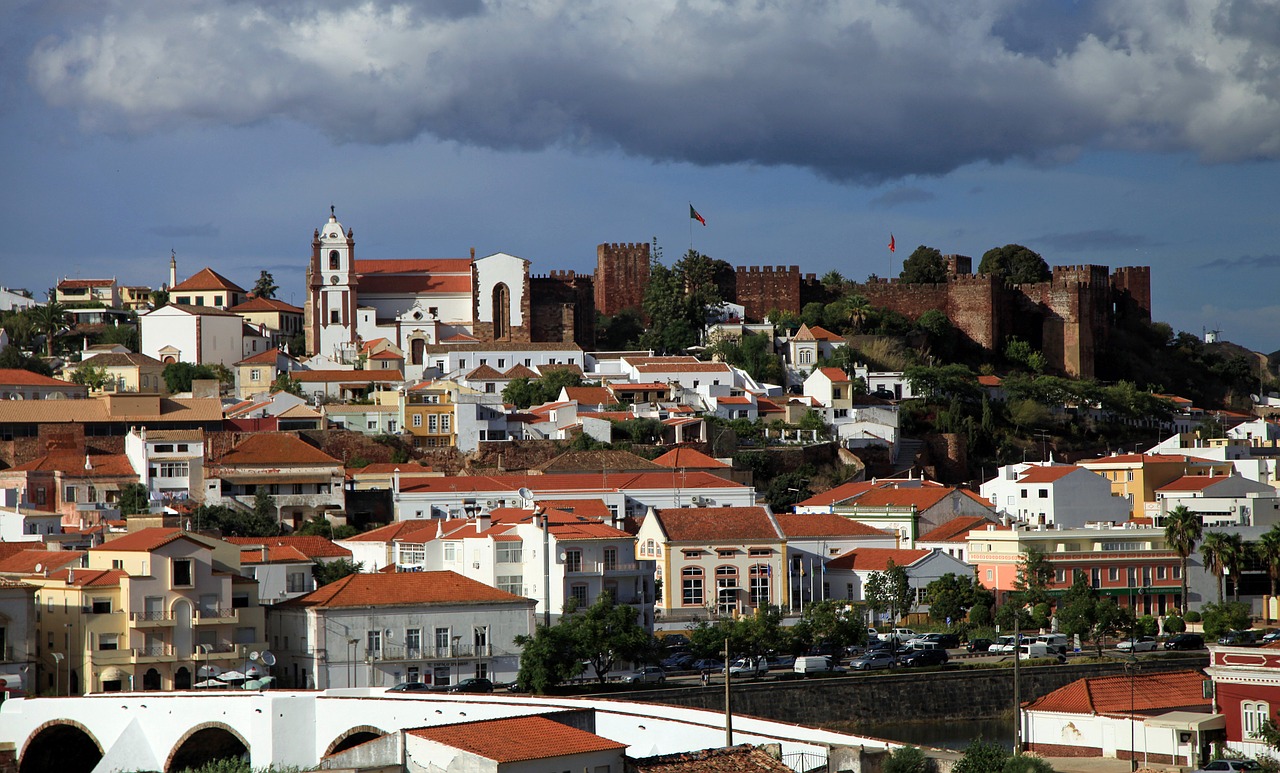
(1034, 649)
(1056, 642)
(813, 664)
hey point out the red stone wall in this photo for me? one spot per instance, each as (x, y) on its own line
(564, 308)
(760, 289)
(622, 273)
(1131, 288)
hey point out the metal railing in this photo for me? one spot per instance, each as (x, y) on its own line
(154, 651)
(401, 652)
(150, 616)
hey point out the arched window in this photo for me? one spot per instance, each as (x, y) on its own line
(691, 586)
(501, 312)
(760, 576)
(726, 589)
(334, 260)
(806, 356)
(1253, 715)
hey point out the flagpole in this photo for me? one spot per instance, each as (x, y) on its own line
(691, 227)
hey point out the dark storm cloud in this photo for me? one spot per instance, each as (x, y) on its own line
(1244, 261)
(900, 196)
(853, 91)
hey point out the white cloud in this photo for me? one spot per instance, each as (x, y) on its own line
(853, 90)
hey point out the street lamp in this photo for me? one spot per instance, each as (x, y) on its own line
(58, 657)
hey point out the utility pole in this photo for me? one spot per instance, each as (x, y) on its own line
(1017, 703)
(728, 713)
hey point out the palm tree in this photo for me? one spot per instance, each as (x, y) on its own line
(1182, 530)
(1215, 550)
(49, 319)
(1234, 560)
(858, 309)
(1268, 551)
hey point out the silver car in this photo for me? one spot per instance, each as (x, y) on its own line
(874, 660)
(646, 675)
(1229, 766)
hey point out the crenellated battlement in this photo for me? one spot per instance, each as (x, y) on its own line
(622, 273)
(769, 270)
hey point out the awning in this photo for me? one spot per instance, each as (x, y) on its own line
(1188, 720)
(114, 674)
(11, 682)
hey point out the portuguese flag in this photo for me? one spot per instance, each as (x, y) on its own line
(693, 215)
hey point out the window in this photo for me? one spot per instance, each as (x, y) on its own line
(69, 494)
(445, 422)
(374, 642)
(760, 575)
(296, 582)
(760, 552)
(101, 606)
(450, 551)
(433, 424)
(510, 552)
(413, 639)
(1177, 572)
(442, 642)
(417, 420)
(255, 374)
(335, 317)
(108, 641)
(578, 592)
(990, 575)
(511, 583)
(848, 591)
(333, 260)
(610, 559)
(182, 576)
(1253, 715)
(573, 560)
(691, 586)
(40, 495)
(1022, 493)
(174, 469)
(1044, 493)
(1096, 577)
(726, 552)
(1113, 573)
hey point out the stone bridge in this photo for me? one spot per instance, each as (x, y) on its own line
(169, 731)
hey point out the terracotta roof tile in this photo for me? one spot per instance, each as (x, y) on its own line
(145, 540)
(310, 546)
(262, 358)
(684, 367)
(123, 359)
(710, 524)
(1151, 693)
(1193, 482)
(875, 559)
(835, 374)
(957, 529)
(400, 530)
(208, 311)
(484, 372)
(20, 377)
(26, 561)
(75, 284)
(265, 304)
(590, 395)
(205, 279)
(615, 481)
(345, 376)
(517, 739)
(72, 463)
(822, 334)
(275, 448)
(689, 458)
(519, 371)
(1047, 474)
(414, 266)
(404, 588)
(90, 578)
(826, 525)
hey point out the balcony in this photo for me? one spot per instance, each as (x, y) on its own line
(603, 568)
(151, 619)
(216, 615)
(393, 653)
(154, 654)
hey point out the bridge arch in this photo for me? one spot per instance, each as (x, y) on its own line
(60, 744)
(204, 743)
(354, 737)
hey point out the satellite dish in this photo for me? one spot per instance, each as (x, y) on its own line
(39, 568)
(525, 493)
(268, 659)
(253, 655)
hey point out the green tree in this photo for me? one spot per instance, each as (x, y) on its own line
(1019, 352)
(287, 383)
(1221, 553)
(159, 298)
(621, 331)
(858, 311)
(677, 300)
(941, 333)
(754, 354)
(93, 376)
(1034, 575)
(981, 757)
(134, 499)
(890, 591)
(751, 634)
(785, 490)
(179, 375)
(924, 266)
(833, 622)
(1025, 763)
(951, 596)
(1182, 530)
(1267, 549)
(125, 335)
(906, 759)
(1082, 612)
(320, 526)
(943, 382)
(233, 523)
(12, 358)
(607, 632)
(1225, 616)
(1015, 263)
(49, 319)
(265, 287)
(326, 572)
(547, 659)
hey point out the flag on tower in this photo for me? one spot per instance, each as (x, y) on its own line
(693, 215)
(891, 244)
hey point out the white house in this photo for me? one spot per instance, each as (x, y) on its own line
(169, 462)
(811, 344)
(376, 630)
(812, 540)
(285, 566)
(1052, 494)
(202, 335)
(533, 744)
(1220, 500)
(847, 575)
(25, 524)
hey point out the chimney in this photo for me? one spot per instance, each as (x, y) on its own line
(71, 576)
(473, 253)
(88, 465)
(482, 522)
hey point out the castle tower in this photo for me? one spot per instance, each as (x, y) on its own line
(622, 273)
(331, 291)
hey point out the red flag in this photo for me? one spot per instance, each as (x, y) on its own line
(693, 215)
(891, 244)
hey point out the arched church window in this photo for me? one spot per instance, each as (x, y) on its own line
(334, 260)
(501, 312)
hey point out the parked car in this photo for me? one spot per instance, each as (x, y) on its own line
(947, 640)
(1004, 645)
(1140, 644)
(646, 675)
(1056, 642)
(924, 657)
(782, 662)
(472, 684)
(677, 662)
(978, 645)
(1185, 641)
(814, 664)
(708, 664)
(410, 687)
(749, 667)
(1239, 639)
(673, 640)
(1228, 766)
(1271, 636)
(900, 635)
(874, 660)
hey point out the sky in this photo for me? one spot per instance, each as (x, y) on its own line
(806, 132)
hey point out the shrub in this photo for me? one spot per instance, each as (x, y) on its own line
(1192, 616)
(1025, 763)
(906, 759)
(1174, 624)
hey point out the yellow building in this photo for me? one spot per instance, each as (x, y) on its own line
(155, 609)
(130, 372)
(428, 416)
(1136, 477)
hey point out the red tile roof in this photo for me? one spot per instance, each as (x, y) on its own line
(689, 458)
(275, 448)
(26, 561)
(345, 376)
(400, 530)
(518, 738)
(683, 367)
(711, 524)
(875, 559)
(835, 374)
(734, 400)
(386, 354)
(1145, 459)
(90, 578)
(519, 371)
(265, 304)
(436, 284)
(403, 589)
(1151, 693)
(590, 395)
(957, 529)
(145, 540)
(586, 481)
(20, 377)
(72, 464)
(310, 546)
(484, 372)
(413, 266)
(826, 525)
(205, 279)
(262, 358)
(1047, 474)
(75, 284)
(990, 381)
(1193, 482)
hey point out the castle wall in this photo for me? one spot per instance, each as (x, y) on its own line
(563, 308)
(1131, 292)
(622, 273)
(760, 289)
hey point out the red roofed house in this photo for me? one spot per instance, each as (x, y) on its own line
(206, 287)
(19, 384)
(909, 507)
(1065, 496)
(303, 481)
(201, 335)
(811, 344)
(377, 630)
(1165, 715)
(1246, 693)
(79, 486)
(1136, 477)
(952, 537)
(812, 540)
(73, 292)
(847, 574)
(715, 560)
(513, 745)
(284, 566)
(280, 320)
(1220, 500)
(256, 375)
(150, 609)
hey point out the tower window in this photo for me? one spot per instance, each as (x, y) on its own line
(334, 260)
